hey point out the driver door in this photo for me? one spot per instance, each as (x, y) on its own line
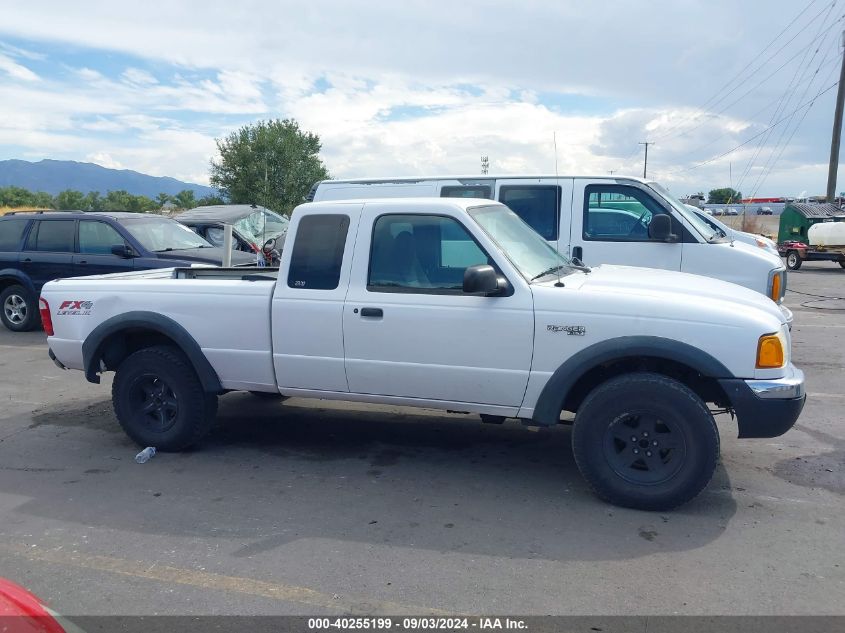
(610, 226)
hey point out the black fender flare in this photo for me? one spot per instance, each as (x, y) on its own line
(550, 403)
(93, 344)
(12, 274)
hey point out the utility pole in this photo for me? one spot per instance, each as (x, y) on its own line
(645, 163)
(611, 171)
(485, 164)
(837, 131)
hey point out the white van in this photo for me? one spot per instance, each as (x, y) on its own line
(599, 220)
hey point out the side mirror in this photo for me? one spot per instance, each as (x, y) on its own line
(269, 245)
(484, 280)
(660, 229)
(122, 250)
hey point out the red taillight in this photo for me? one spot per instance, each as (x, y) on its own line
(46, 319)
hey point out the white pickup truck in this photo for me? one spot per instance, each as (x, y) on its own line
(453, 304)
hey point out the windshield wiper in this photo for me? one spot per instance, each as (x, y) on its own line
(549, 271)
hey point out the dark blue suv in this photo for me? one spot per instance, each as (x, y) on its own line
(37, 247)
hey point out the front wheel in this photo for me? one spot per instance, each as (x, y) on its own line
(645, 441)
(842, 263)
(159, 400)
(793, 260)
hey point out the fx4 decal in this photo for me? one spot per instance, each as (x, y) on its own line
(75, 308)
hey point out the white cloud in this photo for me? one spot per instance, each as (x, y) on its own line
(138, 76)
(15, 70)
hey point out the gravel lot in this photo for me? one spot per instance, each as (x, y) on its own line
(315, 508)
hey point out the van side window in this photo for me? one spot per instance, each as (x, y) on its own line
(52, 236)
(318, 252)
(425, 254)
(11, 232)
(537, 205)
(466, 191)
(617, 213)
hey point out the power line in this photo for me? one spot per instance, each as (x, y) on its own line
(747, 141)
(769, 164)
(785, 101)
(704, 108)
(759, 83)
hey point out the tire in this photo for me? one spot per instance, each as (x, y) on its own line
(842, 263)
(19, 309)
(161, 379)
(614, 435)
(793, 260)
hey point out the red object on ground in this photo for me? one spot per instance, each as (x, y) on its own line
(22, 612)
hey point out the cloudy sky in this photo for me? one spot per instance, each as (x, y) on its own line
(427, 87)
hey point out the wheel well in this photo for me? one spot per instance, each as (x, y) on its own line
(707, 388)
(118, 346)
(5, 282)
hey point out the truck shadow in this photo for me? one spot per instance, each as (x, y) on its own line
(273, 473)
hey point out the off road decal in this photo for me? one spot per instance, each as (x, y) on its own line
(75, 308)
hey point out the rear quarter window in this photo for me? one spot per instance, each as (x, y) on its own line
(11, 232)
(318, 252)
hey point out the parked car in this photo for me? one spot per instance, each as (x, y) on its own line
(718, 211)
(451, 304)
(731, 211)
(38, 247)
(599, 220)
(252, 226)
(724, 230)
(764, 211)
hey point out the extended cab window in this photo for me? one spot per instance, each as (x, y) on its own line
(617, 213)
(537, 205)
(52, 236)
(466, 191)
(421, 253)
(11, 232)
(97, 238)
(318, 252)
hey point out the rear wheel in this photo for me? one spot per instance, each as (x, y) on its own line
(19, 309)
(645, 441)
(793, 260)
(159, 400)
(842, 263)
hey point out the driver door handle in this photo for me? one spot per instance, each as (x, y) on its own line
(372, 312)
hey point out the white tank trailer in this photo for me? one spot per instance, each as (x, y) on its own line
(827, 234)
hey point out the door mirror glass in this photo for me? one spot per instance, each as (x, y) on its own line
(481, 280)
(660, 229)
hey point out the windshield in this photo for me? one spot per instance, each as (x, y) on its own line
(704, 229)
(162, 234)
(260, 225)
(533, 256)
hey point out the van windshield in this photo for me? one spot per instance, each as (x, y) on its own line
(533, 256)
(706, 231)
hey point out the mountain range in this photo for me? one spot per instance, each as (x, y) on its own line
(54, 176)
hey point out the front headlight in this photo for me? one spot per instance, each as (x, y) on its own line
(777, 285)
(771, 351)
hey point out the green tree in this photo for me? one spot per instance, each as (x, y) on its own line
(271, 163)
(185, 199)
(162, 199)
(70, 199)
(726, 195)
(210, 200)
(93, 201)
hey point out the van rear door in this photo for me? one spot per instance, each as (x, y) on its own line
(610, 226)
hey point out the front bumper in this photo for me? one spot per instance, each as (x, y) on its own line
(787, 314)
(766, 408)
